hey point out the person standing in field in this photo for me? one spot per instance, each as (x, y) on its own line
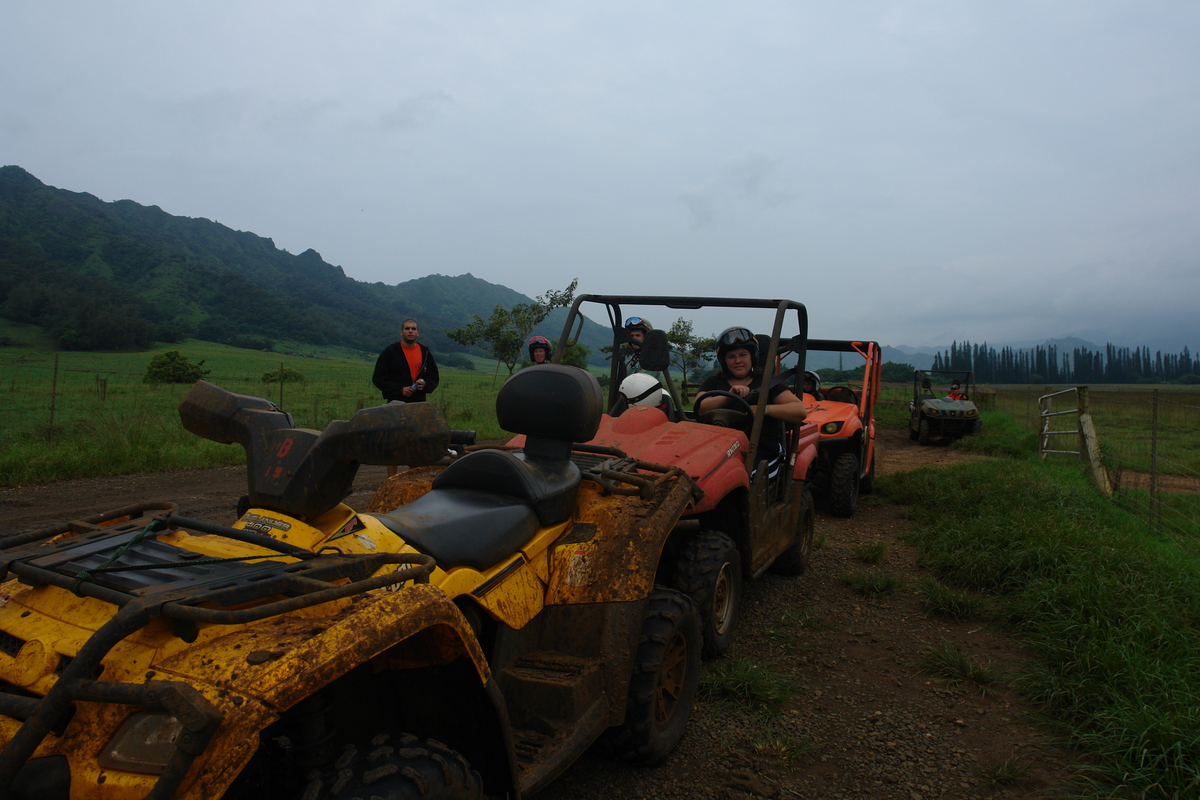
(405, 370)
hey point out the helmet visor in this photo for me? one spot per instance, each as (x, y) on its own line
(737, 337)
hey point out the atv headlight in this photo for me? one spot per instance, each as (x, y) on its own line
(144, 743)
(970, 412)
(933, 412)
(832, 427)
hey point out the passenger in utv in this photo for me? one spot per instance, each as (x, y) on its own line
(642, 389)
(812, 385)
(742, 377)
(539, 349)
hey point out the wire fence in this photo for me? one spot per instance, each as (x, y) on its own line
(53, 401)
(1150, 444)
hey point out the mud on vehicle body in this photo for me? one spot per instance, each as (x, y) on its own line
(845, 417)
(742, 524)
(934, 415)
(470, 641)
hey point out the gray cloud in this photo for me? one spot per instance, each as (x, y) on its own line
(984, 172)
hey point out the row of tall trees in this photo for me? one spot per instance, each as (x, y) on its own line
(1045, 364)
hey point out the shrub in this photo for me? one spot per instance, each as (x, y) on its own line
(173, 367)
(284, 375)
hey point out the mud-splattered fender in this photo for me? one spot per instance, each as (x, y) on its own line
(282, 660)
(806, 450)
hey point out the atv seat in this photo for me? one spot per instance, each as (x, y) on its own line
(463, 527)
(488, 503)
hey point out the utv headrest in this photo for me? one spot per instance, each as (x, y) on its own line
(656, 351)
(551, 401)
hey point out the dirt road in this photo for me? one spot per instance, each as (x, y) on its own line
(866, 721)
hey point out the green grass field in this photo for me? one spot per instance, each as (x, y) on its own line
(67, 415)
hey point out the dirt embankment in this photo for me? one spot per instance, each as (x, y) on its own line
(867, 721)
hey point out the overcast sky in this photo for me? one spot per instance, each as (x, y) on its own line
(914, 172)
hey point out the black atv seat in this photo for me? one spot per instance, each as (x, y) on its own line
(488, 503)
(548, 486)
(463, 527)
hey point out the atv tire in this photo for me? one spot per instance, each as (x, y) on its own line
(709, 570)
(923, 435)
(398, 768)
(794, 560)
(912, 432)
(843, 485)
(666, 669)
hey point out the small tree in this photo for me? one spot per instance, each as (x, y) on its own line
(284, 375)
(688, 351)
(503, 334)
(173, 367)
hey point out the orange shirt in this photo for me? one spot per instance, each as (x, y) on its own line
(413, 354)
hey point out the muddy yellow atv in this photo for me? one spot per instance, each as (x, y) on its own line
(471, 642)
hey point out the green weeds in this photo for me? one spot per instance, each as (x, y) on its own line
(874, 583)
(1111, 615)
(948, 662)
(744, 683)
(943, 601)
(871, 553)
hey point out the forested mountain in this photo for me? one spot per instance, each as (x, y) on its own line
(121, 275)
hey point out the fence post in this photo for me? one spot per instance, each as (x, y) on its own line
(53, 395)
(1153, 459)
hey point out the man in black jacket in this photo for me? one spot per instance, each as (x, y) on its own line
(405, 370)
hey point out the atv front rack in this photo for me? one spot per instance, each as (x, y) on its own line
(125, 565)
(620, 474)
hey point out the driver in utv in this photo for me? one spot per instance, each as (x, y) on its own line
(742, 377)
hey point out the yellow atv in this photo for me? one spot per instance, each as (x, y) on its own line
(472, 642)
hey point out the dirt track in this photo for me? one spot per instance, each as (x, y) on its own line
(876, 724)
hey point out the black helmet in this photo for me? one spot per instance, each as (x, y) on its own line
(736, 339)
(539, 341)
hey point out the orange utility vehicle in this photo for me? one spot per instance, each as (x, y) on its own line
(845, 417)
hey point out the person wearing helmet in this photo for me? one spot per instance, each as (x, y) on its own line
(539, 349)
(640, 389)
(636, 329)
(742, 376)
(812, 385)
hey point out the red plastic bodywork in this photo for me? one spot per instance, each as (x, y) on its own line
(850, 415)
(713, 456)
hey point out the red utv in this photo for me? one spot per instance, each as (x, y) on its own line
(739, 526)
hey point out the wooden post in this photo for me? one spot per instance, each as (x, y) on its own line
(1089, 444)
(1153, 459)
(53, 394)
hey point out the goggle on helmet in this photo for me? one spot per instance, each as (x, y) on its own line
(737, 339)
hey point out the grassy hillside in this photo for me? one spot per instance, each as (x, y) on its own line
(120, 275)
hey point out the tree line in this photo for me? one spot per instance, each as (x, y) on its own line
(1045, 364)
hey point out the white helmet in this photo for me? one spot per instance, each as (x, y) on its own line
(641, 389)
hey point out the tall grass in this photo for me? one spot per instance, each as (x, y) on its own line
(1111, 615)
